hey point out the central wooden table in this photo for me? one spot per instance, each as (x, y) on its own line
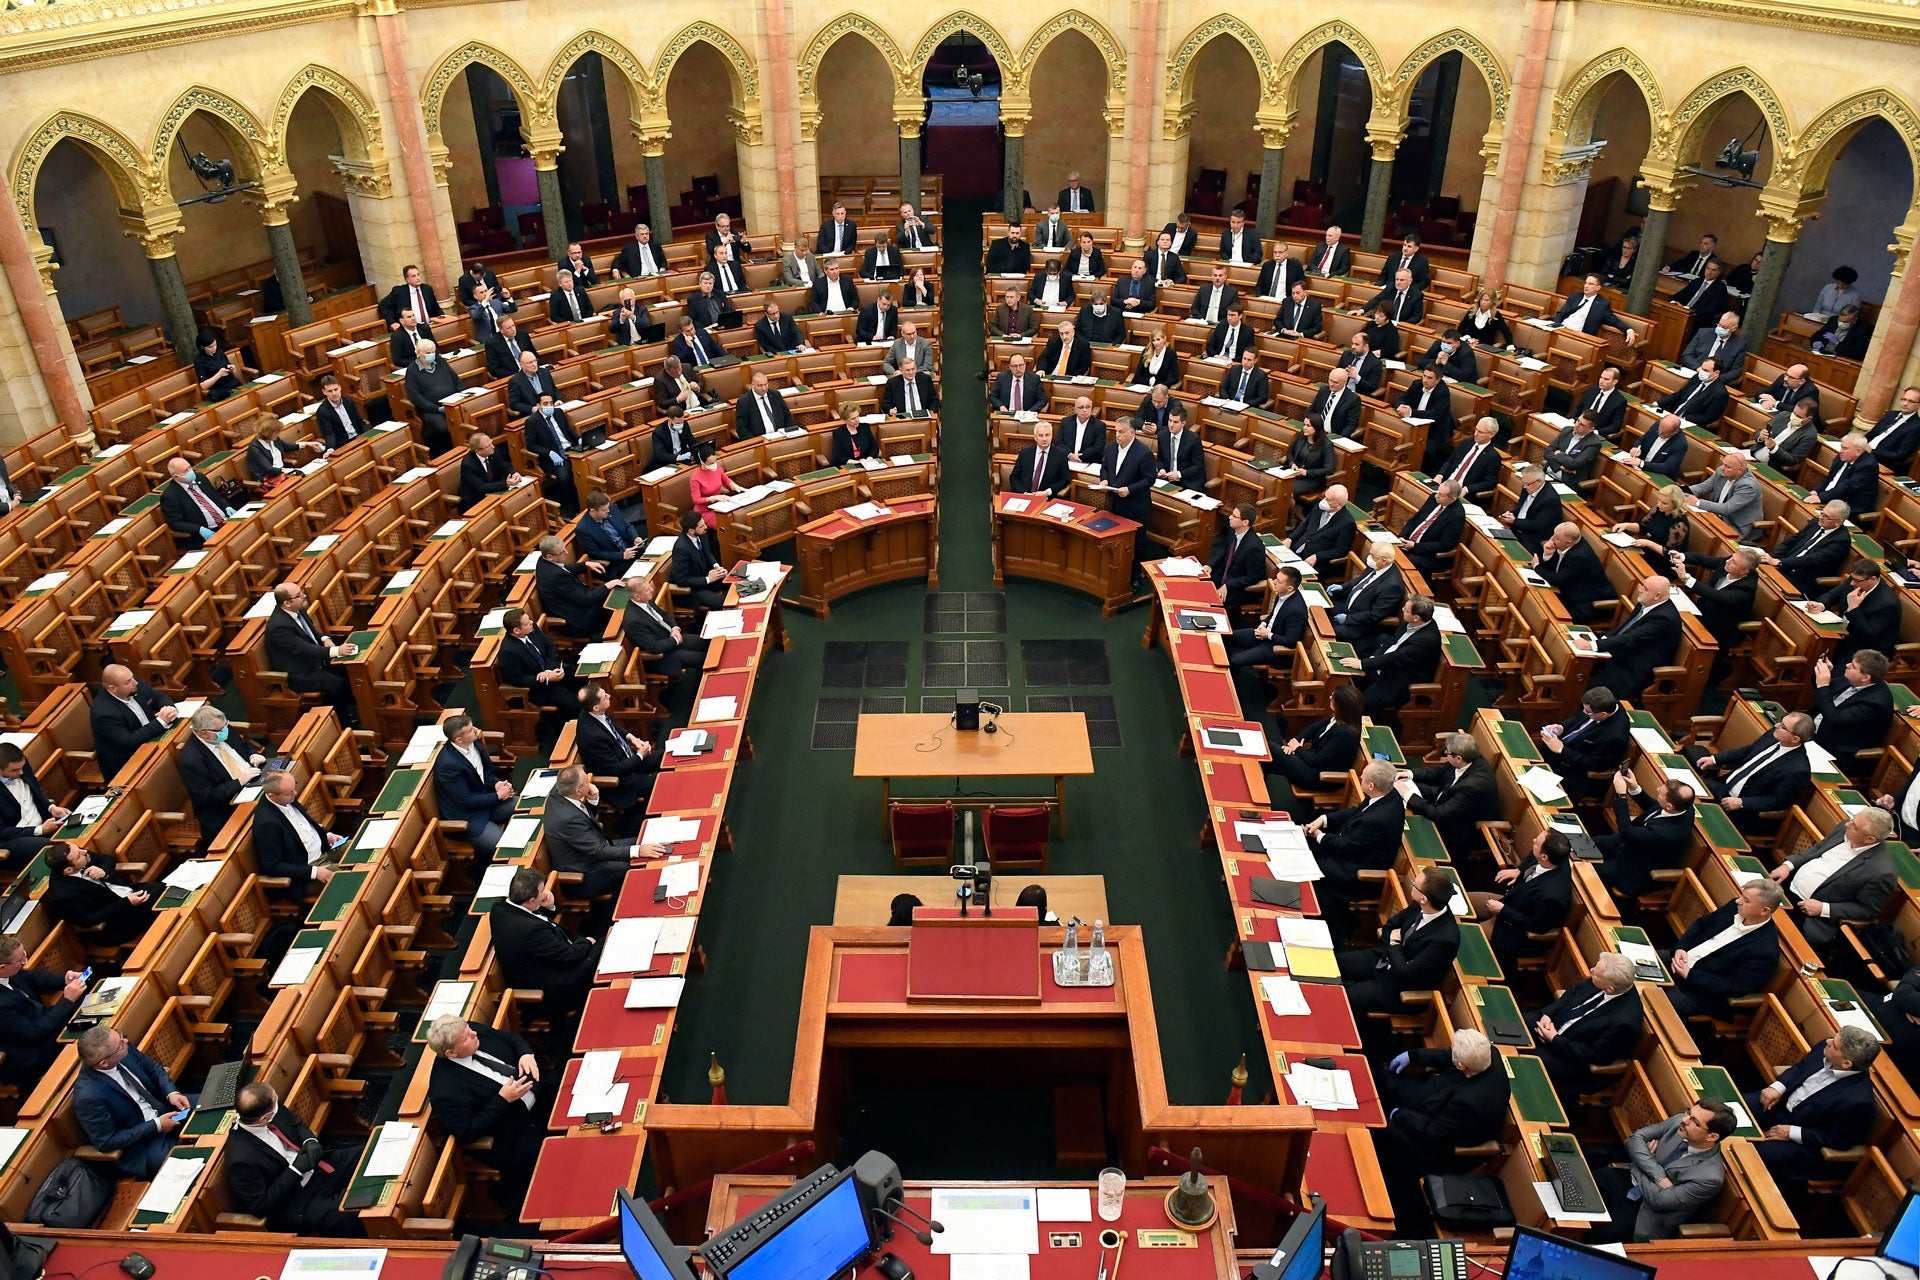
(1026, 744)
(867, 899)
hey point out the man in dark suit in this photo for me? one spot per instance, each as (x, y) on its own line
(470, 787)
(1532, 898)
(1724, 592)
(1337, 404)
(486, 1083)
(1016, 389)
(1606, 402)
(1702, 400)
(1852, 715)
(1278, 274)
(1427, 400)
(1854, 479)
(505, 348)
(1279, 632)
(1895, 439)
(1415, 952)
(1331, 257)
(627, 320)
(1729, 952)
(833, 292)
(1474, 464)
(1846, 335)
(278, 1169)
(1794, 384)
(1593, 739)
(415, 294)
(1349, 841)
(549, 438)
(1238, 563)
(1083, 435)
(88, 892)
(1816, 551)
(639, 256)
(1574, 453)
(580, 608)
(528, 660)
(1135, 294)
(913, 232)
(1455, 795)
(126, 1102)
(1721, 343)
(476, 274)
(1374, 598)
(774, 332)
(709, 307)
(1231, 336)
(1099, 321)
(193, 511)
(1647, 638)
(403, 342)
(911, 393)
(1051, 288)
(1213, 299)
(1409, 658)
(1653, 840)
(428, 381)
(1662, 451)
(1571, 568)
(1593, 1023)
(1589, 312)
(760, 411)
(1452, 357)
(30, 1027)
(672, 439)
(1690, 265)
(1300, 315)
(215, 765)
(694, 568)
(1126, 469)
(1436, 1100)
(652, 631)
(838, 234)
(300, 648)
(288, 842)
(1871, 609)
(1163, 263)
(1403, 300)
(1409, 260)
(1435, 528)
(338, 418)
(125, 713)
(626, 761)
(1182, 461)
(1365, 369)
(1823, 1102)
(1845, 879)
(1536, 512)
(1705, 298)
(1067, 355)
(1010, 254)
(1324, 535)
(526, 387)
(1075, 198)
(1786, 440)
(694, 349)
(576, 843)
(879, 321)
(483, 471)
(535, 952)
(1041, 467)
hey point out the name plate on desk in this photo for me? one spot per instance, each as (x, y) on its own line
(978, 960)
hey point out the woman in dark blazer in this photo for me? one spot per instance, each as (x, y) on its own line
(1382, 335)
(1167, 372)
(850, 440)
(270, 454)
(918, 290)
(1325, 746)
(1664, 528)
(1484, 326)
(1312, 453)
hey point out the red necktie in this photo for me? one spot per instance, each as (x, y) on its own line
(1425, 524)
(1464, 467)
(281, 1134)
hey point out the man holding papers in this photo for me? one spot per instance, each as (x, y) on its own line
(278, 1170)
(1436, 1100)
(486, 1084)
(535, 952)
(469, 787)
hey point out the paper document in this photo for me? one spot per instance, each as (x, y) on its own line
(10, 1142)
(1298, 931)
(375, 833)
(629, 946)
(987, 1220)
(296, 966)
(519, 833)
(1741, 1120)
(403, 579)
(392, 1149)
(1544, 783)
(1284, 995)
(1638, 952)
(447, 998)
(421, 746)
(669, 830)
(1855, 1017)
(494, 882)
(990, 1266)
(539, 784)
(170, 1186)
(716, 709)
(1018, 505)
(723, 622)
(675, 936)
(1652, 740)
(599, 651)
(1059, 511)
(680, 879)
(655, 993)
(1550, 1201)
(192, 875)
(1323, 1089)
(333, 1264)
(612, 1099)
(1066, 1204)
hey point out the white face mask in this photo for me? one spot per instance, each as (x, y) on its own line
(1328, 507)
(1721, 331)
(1705, 375)
(1100, 308)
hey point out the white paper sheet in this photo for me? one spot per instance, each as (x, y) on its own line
(675, 936)
(1544, 783)
(680, 878)
(1550, 1201)
(987, 1220)
(494, 881)
(655, 993)
(519, 833)
(375, 833)
(716, 709)
(724, 622)
(392, 1149)
(170, 1186)
(1283, 994)
(10, 1142)
(1653, 740)
(333, 1264)
(669, 829)
(629, 946)
(1059, 511)
(1323, 1089)
(599, 651)
(1066, 1204)
(296, 966)
(448, 998)
(420, 747)
(989, 1266)
(192, 875)
(540, 784)
(1298, 931)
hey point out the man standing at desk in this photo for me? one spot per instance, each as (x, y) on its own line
(126, 1102)
(1648, 638)
(278, 1169)
(1126, 473)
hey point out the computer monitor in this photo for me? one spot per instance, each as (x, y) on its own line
(817, 1242)
(1900, 1242)
(644, 1243)
(1538, 1255)
(1302, 1251)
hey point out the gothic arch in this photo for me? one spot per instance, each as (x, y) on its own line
(1012, 75)
(849, 24)
(1318, 38)
(239, 127)
(434, 95)
(1074, 20)
(116, 153)
(357, 119)
(608, 48)
(1470, 48)
(1579, 102)
(1822, 141)
(1687, 127)
(745, 76)
(1180, 66)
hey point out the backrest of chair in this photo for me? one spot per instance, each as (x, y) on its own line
(1005, 828)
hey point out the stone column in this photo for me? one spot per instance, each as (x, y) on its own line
(910, 122)
(1385, 141)
(806, 169)
(1013, 174)
(1274, 126)
(1786, 212)
(275, 195)
(412, 141)
(59, 377)
(1883, 371)
(545, 144)
(653, 152)
(1522, 113)
(1663, 197)
(156, 228)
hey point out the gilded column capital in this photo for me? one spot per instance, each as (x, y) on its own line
(747, 123)
(1016, 113)
(909, 114)
(1665, 184)
(1787, 211)
(544, 143)
(156, 227)
(810, 117)
(1384, 137)
(1116, 118)
(651, 131)
(43, 262)
(274, 197)
(1275, 124)
(1176, 120)
(1564, 163)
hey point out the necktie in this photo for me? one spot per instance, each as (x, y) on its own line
(1039, 466)
(139, 712)
(766, 414)
(139, 1089)
(419, 305)
(1326, 258)
(1744, 774)
(1587, 1006)
(513, 350)
(1526, 500)
(1359, 588)
(1060, 369)
(1632, 618)
(1898, 422)
(207, 506)
(1833, 478)
(1466, 464)
(1399, 306)
(1599, 399)
(913, 397)
(1581, 728)
(573, 303)
(1244, 375)
(306, 626)
(1426, 524)
(1017, 380)
(1717, 343)
(618, 737)
(699, 352)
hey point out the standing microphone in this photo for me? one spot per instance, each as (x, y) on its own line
(926, 1241)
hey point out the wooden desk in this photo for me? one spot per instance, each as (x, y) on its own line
(841, 553)
(1027, 544)
(866, 899)
(1029, 744)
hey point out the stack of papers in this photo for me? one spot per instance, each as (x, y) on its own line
(723, 622)
(392, 1149)
(494, 881)
(675, 936)
(655, 993)
(1182, 567)
(1323, 1089)
(376, 832)
(993, 1221)
(519, 833)
(1060, 511)
(1638, 952)
(669, 829)
(594, 1089)
(171, 1185)
(599, 651)
(296, 966)
(864, 510)
(1018, 505)
(1242, 742)
(1309, 947)
(629, 946)
(716, 709)
(680, 879)
(1545, 784)
(420, 747)
(448, 998)
(1284, 996)
(193, 875)
(539, 784)
(1854, 1017)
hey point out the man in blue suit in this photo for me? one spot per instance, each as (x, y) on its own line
(603, 534)
(1280, 632)
(1825, 1100)
(469, 787)
(126, 1103)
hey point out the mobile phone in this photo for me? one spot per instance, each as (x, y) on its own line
(1379, 755)
(86, 973)
(1841, 1006)
(183, 1113)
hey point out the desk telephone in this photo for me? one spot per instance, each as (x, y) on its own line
(477, 1259)
(1358, 1259)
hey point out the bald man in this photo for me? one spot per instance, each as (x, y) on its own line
(126, 713)
(1646, 639)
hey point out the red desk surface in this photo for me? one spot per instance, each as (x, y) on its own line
(703, 843)
(880, 977)
(1190, 649)
(726, 739)
(728, 684)
(1197, 592)
(1266, 928)
(1331, 1021)
(576, 1175)
(1209, 691)
(689, 790)
(638, 1074)
(737, 653)
(1369, 1111)
(991, 961)
(1226, 782)
(636, 895)
(1330, 1172)
(606, 1023)
(1201, 723)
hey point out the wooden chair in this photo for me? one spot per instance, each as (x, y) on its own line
(922, 835)
(1016, 838)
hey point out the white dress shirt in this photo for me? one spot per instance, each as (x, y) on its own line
(1806, 882)
(1727, 936)
(309, 835)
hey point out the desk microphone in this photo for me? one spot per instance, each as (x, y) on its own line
(926, 1240)
(907, 1208)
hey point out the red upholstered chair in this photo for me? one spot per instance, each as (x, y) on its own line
(1017, 838)
(922, 835)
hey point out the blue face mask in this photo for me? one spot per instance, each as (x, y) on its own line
(221, 734)
(1720, 331)
(427, 359)
(189, 478)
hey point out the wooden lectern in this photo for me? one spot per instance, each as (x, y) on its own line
(984, 959)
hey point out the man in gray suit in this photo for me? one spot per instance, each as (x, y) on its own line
(798, 267)
(910, 345)
(576, 842)
(1732, 492)
(1848, 876)
(1674, 1169)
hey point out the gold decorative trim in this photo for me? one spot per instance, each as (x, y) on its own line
(1110, 49)
(362, 164)
(1899, 23)
(746, 74)
(126, 167)
(1180, 65)
(1822, 141)
(433, 94)
(849, 24)
(1687, 126)
(1318, 38)
(610, 50)
(1575, 106)
(973, 25)
(1470, 49)
(240, 128)
(51, 35)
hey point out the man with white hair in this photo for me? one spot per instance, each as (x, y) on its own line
(1722, 344)
(1645, 639)
(216, 764)
(1847, 878)
(1363, 607)
(1732, 492)
(1435, 529)
(1436, 1100)
(1349, 841)
(1823, 1102)
(485, 1083)
(430, 380)
(1536, 512)
(1855, 477)
(1817, 551)
(1594, 1022)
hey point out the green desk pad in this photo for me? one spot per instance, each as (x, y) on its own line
(202, 1154)
(1713, 822)
(1475, 957)
(1903, 697)
(1533, 1094)
(1338, 651)
(1378, 740)
(210, 1124)
(364, 640)
(1460, 651)
(1714, 1082)
(1633, 933)
(382, 1189)
(401, 784)
(1423, 840)
(1494, 1000)
(333, 900)
(1747, 865)
(526, 804)
(1644, 720)
(1516, 741)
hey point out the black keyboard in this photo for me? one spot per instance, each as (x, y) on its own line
(1572, 1180)
(222, 1086)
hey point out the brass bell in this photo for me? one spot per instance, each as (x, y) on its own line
(1190, 1204)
